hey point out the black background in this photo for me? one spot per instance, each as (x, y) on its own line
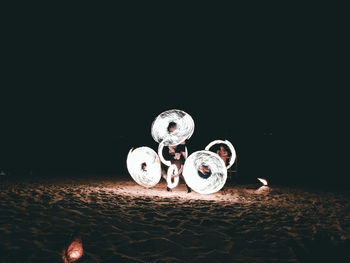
(83, 87)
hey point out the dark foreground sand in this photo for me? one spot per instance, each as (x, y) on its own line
(119, 221)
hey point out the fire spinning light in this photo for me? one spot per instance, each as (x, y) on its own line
(183, 131)
(229, 145)
(144, 166)
(160, 154)
(171, 171)
(205, 172)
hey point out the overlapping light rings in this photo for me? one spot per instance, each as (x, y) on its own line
(194, 180)
(184, 127)
(172, 170)
(143, 165)
(160, 154)
(229, 145)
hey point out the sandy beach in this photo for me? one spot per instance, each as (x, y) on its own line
(120, 221)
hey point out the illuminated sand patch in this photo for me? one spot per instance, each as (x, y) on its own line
(120, 222)
(178, 193)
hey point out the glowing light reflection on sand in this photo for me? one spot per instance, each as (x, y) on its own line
(74, 251)
(130, 189)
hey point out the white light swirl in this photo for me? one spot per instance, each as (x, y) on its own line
(214, 182)
(160, 154)
(263, 181)
(148, 176)
(184, 127)
(230, 146)
(172, 170)
(161, 157)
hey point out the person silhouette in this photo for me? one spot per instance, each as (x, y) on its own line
(176, 154)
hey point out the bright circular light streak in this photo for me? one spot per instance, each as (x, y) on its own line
(184, 127)
(160, 154)
(172, 170)
(144, 166)
(214, 182)
(230, 146)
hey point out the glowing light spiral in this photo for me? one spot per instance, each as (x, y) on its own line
(172, 170)
(184, 127)
(160, 154)
(144, 166)
(229, 145)
(210, 183)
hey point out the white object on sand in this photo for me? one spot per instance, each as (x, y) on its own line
(184, 127)
(229, 145)
(144, 166)
(205, 185)
(263, 181)
(172, 170)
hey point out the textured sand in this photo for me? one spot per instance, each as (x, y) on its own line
(120, 221)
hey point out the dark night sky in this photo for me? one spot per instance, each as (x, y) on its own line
(80, 92)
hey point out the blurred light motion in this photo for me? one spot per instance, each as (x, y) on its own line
(229, 145)
(144, 166)
(205, 183)
(74, 251)
(160, 154)
(172, 170)
(263, 181)
(183, 131)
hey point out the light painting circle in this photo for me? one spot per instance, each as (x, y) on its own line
(229, 145)
(184, 127)
(160, 154)
(210, 183)
(172, 169)
(144, 166)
